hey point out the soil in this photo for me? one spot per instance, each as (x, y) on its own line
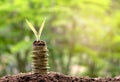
(53, 77)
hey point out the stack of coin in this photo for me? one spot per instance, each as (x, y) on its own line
(40, 57)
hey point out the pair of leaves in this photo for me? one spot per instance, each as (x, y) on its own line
(37, 34)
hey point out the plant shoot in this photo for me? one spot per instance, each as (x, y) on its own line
(37, 34)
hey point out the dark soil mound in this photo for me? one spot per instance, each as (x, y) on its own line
(53, 77)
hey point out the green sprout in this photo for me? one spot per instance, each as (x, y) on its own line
(37, 34)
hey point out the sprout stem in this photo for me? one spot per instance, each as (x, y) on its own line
(37, 34)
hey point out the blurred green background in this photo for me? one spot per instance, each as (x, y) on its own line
(83, 36)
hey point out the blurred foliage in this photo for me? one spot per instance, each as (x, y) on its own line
(83, 36)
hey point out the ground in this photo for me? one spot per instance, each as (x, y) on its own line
(53, 77)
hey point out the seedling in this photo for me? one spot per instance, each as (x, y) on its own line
(40, 56)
